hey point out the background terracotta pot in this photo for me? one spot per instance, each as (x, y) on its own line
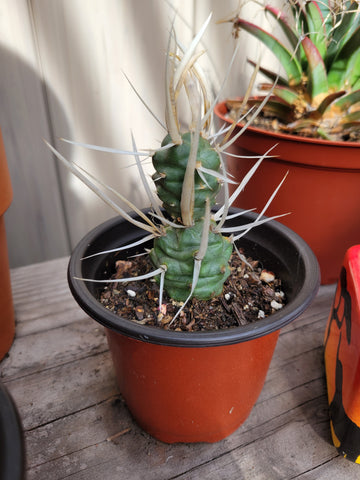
(7, 320)
(322, 190)
(194, 386)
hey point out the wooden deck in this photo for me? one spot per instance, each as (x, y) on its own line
(76, 425)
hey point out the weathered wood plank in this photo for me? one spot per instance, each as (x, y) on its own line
(61, 377)
(39, 352)
(134, 453)
(60, 391)
(51, 329)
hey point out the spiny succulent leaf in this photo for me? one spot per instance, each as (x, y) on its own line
(276, 107)
(288, 95)
(342, 59)
(287, 59)
(346, 22)
(346, 101)
(326, 13)
(328, 101)
(317, 76)
(329, 54)
(303, 124)
(316, 27)
(285, 26)
(270, 74)
(351, 120)
(353, 71)
(350, 75)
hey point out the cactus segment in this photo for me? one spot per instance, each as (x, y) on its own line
(177, 249)
(170, 166)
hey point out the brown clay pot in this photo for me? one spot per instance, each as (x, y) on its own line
(194, 386)
(321, 191)
(7, 320)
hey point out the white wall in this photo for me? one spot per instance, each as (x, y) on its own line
(62, 64)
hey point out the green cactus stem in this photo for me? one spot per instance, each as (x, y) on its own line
(170, 166)
(177, 250)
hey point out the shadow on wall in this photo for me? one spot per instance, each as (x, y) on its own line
(35, 222)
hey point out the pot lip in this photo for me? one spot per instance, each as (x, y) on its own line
(160, 336)
(220, 110)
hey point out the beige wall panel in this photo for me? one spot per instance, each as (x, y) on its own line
(85, 47)
(35, 222)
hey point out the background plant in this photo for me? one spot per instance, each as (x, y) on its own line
(319, 96)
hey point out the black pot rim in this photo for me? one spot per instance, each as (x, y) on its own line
(235, 335)
(12, 454)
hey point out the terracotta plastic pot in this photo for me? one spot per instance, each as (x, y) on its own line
(7, 320)
(12, 452)
(321, 191)
(194, 386)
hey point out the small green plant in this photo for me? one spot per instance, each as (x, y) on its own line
(190, 254)
(320, 95)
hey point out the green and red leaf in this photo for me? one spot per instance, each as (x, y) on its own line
(337, 72)
(282, 20)
(346, 23)
(316, 27)
(329, 100)
(287, 59)
(317, 75)
(288, 95)
(347, 101)
(351, 119)
(274, 77)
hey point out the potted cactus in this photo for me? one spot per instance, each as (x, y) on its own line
(187, 386)
(313, 117)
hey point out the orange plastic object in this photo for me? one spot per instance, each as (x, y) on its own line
(321, 191)
(7, 321)
(342, 359)
(202, 397)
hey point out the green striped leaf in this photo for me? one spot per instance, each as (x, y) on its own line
(287, 59)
